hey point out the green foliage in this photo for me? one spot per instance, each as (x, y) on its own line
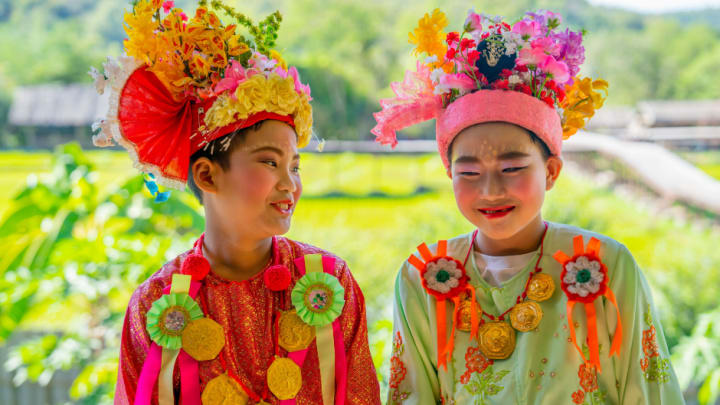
(352, 51)
(700, 353)
(73, 257)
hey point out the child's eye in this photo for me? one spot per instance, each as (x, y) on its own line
(513, 169)
(270, 162)
(468, 173)
(296, 169)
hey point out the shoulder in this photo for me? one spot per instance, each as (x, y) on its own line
(152, 288)
(561, 237)
(296, 249)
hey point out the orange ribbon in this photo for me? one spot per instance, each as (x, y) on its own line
(593, 249)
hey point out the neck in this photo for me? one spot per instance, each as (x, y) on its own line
(525, 241)
(233, 255)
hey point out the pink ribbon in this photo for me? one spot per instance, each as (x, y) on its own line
(189, 375)
(149, 375)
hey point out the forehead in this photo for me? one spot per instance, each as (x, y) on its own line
(271, 134)
(490, 140)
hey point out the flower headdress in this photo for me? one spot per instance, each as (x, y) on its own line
(525, 74)
(187, 81)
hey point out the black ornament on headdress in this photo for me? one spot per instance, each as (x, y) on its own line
(492, 58)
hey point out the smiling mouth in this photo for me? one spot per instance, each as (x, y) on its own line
(496, 212)
(283, 207)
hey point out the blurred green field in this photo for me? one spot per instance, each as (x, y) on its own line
(373, 211)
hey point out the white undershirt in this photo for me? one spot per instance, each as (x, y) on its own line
(496, 270)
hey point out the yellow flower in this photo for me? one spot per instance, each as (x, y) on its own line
(283, 94)
(582, 99)
(253, 94)
(428, 35)
(276, 55)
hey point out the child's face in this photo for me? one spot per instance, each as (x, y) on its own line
(500, 178)
(259, 191)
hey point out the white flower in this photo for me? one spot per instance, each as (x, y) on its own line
(440, 90)
(112, 68)
(442, 276)
(584, 276)
(99, 79)
(512, 40)
(514, 79)
(435, 75)
(431, 59)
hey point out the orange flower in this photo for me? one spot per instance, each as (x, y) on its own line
(578, 397)
(428, 35)
(583, 98)
(475, 362)
(588, 378)
(650, 347)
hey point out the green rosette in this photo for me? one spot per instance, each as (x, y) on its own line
(318, 298)
(168, 317)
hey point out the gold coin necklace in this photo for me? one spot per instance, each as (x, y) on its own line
(496, 338)
(283, 378)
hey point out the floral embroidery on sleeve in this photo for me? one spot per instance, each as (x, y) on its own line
(589, 394)
(397, 372)
(479, 378)
(654, 367)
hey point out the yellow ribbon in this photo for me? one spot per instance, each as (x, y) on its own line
(180, 284)
(325, 342)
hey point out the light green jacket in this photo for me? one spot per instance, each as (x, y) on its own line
(545, 368)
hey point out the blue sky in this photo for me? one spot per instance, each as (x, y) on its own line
(658, 6)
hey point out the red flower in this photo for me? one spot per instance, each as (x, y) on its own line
(397, 372)
(475, 362)
(451, 52)
(506, 26)
(521, 68)
(485, 35)
(505, 73)
(452, 37)
(524, 88)
(483, 80)
(473, 57)
(588, 378)
(467, 43)
(578, 397)
(650, 347)
(501, 84)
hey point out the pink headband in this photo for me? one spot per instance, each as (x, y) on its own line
(498, 106)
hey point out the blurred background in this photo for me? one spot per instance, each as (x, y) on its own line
(78, 232)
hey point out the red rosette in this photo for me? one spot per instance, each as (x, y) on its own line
(590, 297)
(462, 281)
(277, 277)
(196, 266)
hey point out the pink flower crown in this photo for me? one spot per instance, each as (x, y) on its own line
(531, 57)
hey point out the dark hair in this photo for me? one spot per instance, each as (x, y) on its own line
(217, 151)
(544, 150)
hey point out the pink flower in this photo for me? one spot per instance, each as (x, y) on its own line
(167, 5)
(234, 75)
(527, 29)
(299, 87)
(556, 70)
(459, 81)
(531, 56)
(473, 21)
(547, 45)
(183, 16)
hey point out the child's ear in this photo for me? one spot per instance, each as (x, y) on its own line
(553, 166)
(205, 173)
